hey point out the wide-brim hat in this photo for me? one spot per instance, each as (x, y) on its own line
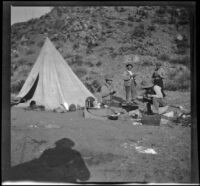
(146, 84)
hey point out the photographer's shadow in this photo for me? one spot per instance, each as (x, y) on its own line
(58, 164)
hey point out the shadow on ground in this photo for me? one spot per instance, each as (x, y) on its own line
(58, 164)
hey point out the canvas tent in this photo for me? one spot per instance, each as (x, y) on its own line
(52, 83)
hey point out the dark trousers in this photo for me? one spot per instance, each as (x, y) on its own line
(156, 102)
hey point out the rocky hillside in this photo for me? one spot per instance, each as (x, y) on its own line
(94, 41)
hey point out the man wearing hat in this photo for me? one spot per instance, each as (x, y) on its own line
(159, 74)
(129, 83)
(153, 95)
(107, 90)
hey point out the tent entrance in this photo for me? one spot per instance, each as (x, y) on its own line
(31, 92)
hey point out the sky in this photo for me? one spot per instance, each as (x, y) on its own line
(25, 13)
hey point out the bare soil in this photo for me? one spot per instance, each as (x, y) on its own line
(107, 147)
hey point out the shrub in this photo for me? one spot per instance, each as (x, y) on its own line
(77, 60)
(178, 79)
(163, 57)
(160, 20)
(151, 28)
(147, 63)
(15, 55)
(93, 86)
(181, 46)
(99, 63)
(90, 64)
(183, 61)
(16, 86)
(120, 23)
(131, 18)
(89, 87)
(21, 61)
(40, 44)
(80, 72)
(139, 31)
(29, 52)
(161, 11)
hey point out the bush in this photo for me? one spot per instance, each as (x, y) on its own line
(147, 63)
(29, 52)
(163, 57)
(40, 44)
(160, 20)
(181, 46)
(90, 64)
(151, 28)
(94, 86)
(139, 31)
(21, 61)
(120, 23)
(161, 11)
(131, 18)
(182, 61)
(77, 60)
(80, 72)
(99, 63)
(178, 79)
(16, 86)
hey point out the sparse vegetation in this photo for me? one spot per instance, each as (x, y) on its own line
(80, 72)
(16, 86)
(78, 60)
(21, 62)
(40, 44)
(178, 79)
(89, 63)
(147, 63)
(181, 61)
(99, 63)
(139, 31)
(163, 57)
(151, 28)
(106, 35)
(29, 52)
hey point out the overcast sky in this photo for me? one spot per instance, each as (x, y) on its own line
(21, 14)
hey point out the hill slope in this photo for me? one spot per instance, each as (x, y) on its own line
(95, 40)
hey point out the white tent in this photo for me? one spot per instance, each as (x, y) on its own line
(52, 83)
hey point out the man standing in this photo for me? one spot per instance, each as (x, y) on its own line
(107, 91)
(129, 83)
(159, 74)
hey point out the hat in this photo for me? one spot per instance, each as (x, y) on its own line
(65, 142)
(108, 77)
(146, 84)
(127, 64)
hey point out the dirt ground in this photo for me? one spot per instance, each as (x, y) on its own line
(107, 147)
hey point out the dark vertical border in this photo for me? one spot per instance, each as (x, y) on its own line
(5, 127)
(6, 69)
(194, 129)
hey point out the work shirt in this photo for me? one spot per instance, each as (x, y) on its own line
(158, 92)
(128, 79)
(159, 73)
